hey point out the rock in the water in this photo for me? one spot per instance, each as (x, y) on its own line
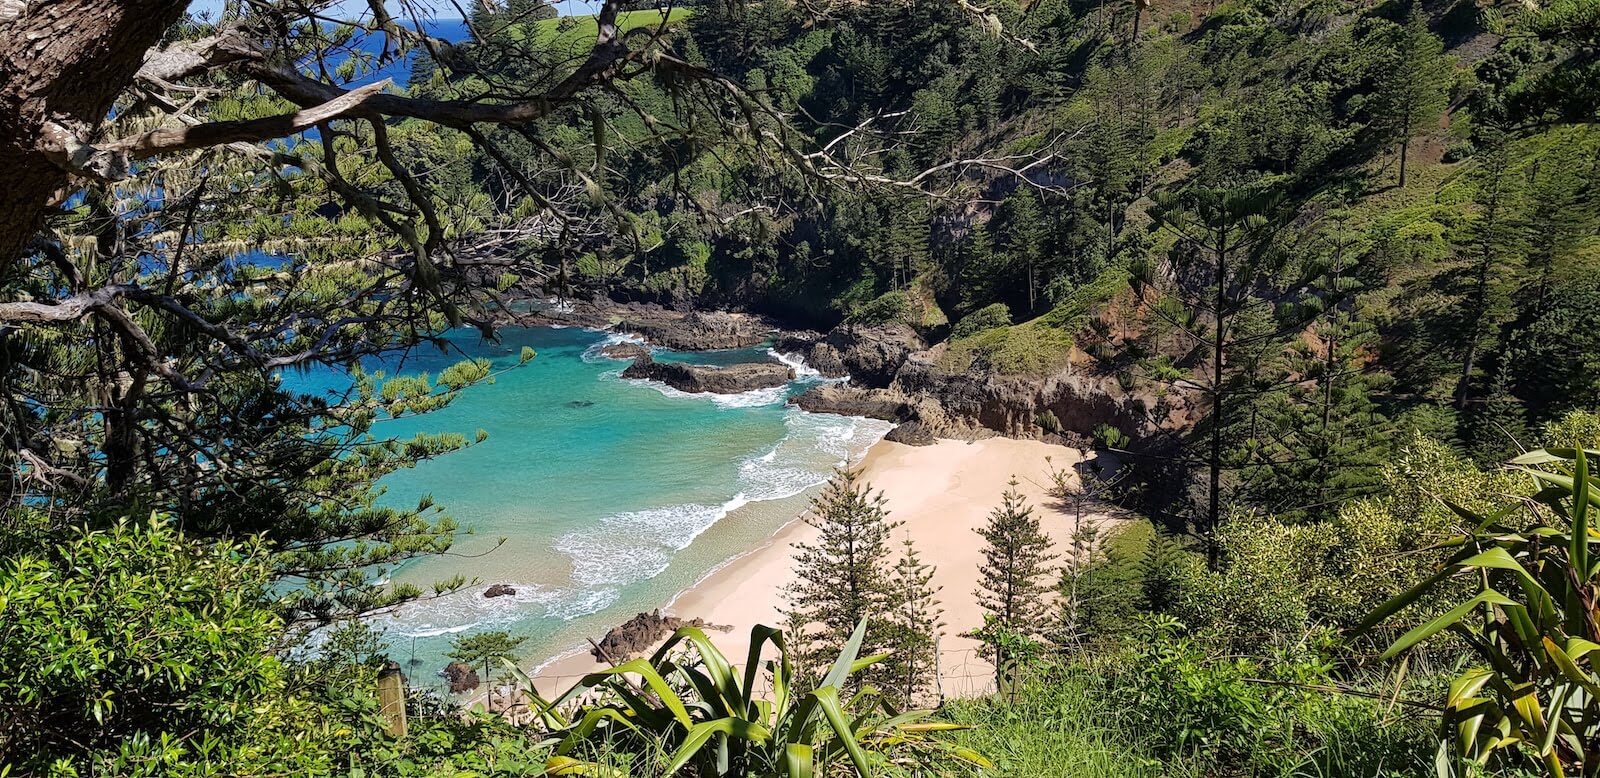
(827, 360)
(848, 400)
(697, 331)
(639, 633)
(624, 351)
(911, 433)
(796, 341)
(499, 590)
(461, 676)
(720, 380)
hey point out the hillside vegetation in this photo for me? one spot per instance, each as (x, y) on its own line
(1319, 276)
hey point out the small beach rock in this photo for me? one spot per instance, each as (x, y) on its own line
(638, 634)
(911, 433)
(500, 590)
(720, 380)
(624, 351)
(462, 677)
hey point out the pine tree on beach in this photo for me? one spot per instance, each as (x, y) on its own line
(1015, 579)
(916, 623)
(842, 577)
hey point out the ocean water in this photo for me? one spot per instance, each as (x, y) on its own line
(612, 495)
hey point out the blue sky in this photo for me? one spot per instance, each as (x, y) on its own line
(442, 8)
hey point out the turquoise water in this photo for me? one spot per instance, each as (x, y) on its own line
(612, 495)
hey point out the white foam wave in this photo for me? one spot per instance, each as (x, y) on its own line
(754, 398)
(636, 545)
(795, 361)
(592, 353)
(467, 609)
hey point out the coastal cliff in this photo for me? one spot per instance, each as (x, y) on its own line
(895, 374)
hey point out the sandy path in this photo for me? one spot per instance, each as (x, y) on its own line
(942, 493)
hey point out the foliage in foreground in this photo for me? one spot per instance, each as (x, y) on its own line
(687, 708)
(1532, 624)
(1168, 704)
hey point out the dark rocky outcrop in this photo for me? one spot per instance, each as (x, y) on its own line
(697, 331)
(674, 329)
(624, 351)
(500, 590)
(827, 360)
(894, 376)
(720, 380)
(847, 400)
(871, 355)
(796, 341)
(814, 349)
(461, 677)
(911, 433)
(638, 634)
(1076, 400)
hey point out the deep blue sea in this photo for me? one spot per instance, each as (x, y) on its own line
(612, 495)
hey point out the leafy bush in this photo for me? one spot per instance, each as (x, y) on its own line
(1025, 349)
(132, 651)
(1531, 623)
(988, 317)
(1221, 714)
(1281, 581)
(688, 708)
(1111, 590)
(887, 307)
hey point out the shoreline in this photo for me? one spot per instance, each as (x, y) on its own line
(941, 493)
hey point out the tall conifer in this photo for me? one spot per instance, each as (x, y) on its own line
(1015, 578)
(843, 576)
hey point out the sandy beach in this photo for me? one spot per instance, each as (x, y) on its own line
(942, 493)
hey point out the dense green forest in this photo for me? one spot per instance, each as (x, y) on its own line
(1320, 275)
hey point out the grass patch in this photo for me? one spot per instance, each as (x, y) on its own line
(1030, 349)
(1056, 729)
(577, 33)
(1040, 346)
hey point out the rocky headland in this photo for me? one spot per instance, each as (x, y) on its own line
(895, 374)
(732, 379)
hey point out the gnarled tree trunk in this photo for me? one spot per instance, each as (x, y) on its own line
(62, 64)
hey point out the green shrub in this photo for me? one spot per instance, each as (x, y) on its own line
(988, 317)
(1279, 580)
(887, 307)
(1025, 350)
(1111, 589)
(1221, 714)
(701, 716)
(1048, 422)
(132, 651)
(1528, 617)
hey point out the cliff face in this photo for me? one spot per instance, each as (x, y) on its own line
(1023, 406)
(897, 377)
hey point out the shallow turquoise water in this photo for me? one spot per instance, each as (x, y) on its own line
(612, 495)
